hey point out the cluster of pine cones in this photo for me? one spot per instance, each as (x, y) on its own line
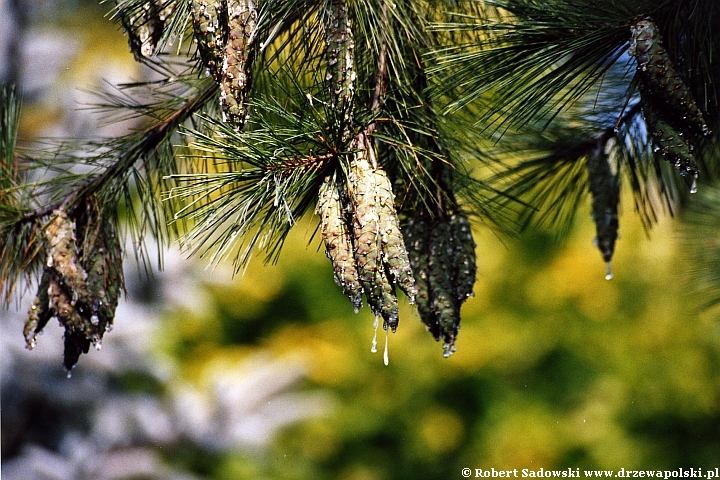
(670, 111)
(672, 118)
(361, 231)
(442, 255)
(80, 283)
(360, 226)
(223, 31)
(432, 261)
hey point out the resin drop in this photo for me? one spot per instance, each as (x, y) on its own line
(373, 347)
(386, 358)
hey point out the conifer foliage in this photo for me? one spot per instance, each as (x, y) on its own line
(585, 96)
(323, 107)
(396, 123)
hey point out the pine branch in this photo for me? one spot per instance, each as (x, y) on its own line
(533, 63)
(263, 179)
(20, 227)
(149, 140)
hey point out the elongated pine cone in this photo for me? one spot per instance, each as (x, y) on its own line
(210, 29)
(335, 232)
(659, 77)
(605, 193)
(666, 140)
(339, 48)
(235, 80)
(366, 238)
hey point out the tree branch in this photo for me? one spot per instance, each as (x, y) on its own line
(151, 137)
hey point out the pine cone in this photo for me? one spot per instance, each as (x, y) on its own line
(235, 80)
(659, 75)
(395, 254)
(338, 242)
(339, 48)
(442, 256)
(380, 253)
(145, 26)
(605, 193)
(445, 305)
(104, 268)
(209, 26)
(669, 142)
(366, 237)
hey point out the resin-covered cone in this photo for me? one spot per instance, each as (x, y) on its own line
(605, 193)
(444, 302)
(366, 236)
(335, 233)
(394, 252)
(673, 146)
(660, 77)
(339, 51)
(235, 79)
(145, 26)
(210, 30)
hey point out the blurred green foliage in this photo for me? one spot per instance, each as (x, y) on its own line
(556, 367)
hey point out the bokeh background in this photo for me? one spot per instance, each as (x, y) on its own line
(269, 375)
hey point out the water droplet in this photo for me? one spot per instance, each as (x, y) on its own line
(69, 374)
(608, 271)
(693, 187)
(386, 359)
(373, 347)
